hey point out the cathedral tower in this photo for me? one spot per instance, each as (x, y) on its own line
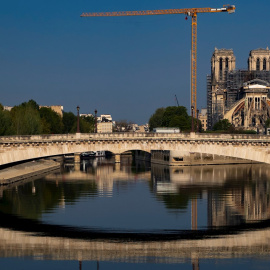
(259, 59)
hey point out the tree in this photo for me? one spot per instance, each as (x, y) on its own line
(51, 121)
(5, 123)
(123, 126)
(26, 119)
(180, 121)
(156, 119)
(69, 122)
(171, 117)
(87, 124)
(222, 125)
(171, 112)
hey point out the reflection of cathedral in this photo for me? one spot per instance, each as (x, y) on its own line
(249, 203)
(241, 96)
(235, 194)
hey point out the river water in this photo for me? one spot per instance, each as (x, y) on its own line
(101, 215)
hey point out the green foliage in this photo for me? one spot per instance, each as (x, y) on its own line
(21, 202)
(26, 119)
(171, 112)
(5, 123)
(69, 122)
(156, 119)
(222, 125)
(87, 124)
(51, 121)
(172, 117)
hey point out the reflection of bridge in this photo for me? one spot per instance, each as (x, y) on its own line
(251, 147)
(14, 242)
(23, 237)
(104, 176)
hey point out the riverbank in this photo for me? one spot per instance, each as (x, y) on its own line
(27, 170)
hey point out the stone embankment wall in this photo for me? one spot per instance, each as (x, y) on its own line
(27, 170)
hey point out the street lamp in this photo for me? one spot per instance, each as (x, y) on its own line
(197, 120)
(192, 123)
(95, 120)
(78, 119)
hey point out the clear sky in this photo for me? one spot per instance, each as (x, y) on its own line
(123, 66)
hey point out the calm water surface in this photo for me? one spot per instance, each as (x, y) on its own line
(98, 215)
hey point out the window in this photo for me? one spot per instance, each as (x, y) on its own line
(226, 63)
(220, 68)
(258, 64)
(264, 64)
(220, 63)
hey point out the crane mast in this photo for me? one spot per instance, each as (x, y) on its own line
(192, 12)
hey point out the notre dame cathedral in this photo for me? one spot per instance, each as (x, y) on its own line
(241, 96)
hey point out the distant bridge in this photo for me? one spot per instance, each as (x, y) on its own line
(19, 148)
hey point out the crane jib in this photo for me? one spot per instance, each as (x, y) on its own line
(189, 12)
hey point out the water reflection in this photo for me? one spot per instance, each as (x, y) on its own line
(226, 195)
(100, 211)
(235, 194)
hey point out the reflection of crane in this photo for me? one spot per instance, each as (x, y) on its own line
(189, 12)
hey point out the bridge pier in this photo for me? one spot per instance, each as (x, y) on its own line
(77, 157)
(117, 158)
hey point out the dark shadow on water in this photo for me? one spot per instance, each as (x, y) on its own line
(37, 228)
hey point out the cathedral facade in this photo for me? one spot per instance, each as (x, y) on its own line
(241, 96)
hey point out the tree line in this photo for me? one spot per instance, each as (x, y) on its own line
(173, 116)
(29, 119)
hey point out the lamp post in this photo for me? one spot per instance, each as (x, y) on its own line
(192, 121)
(95, 120)
(78, 119)
(197, 120)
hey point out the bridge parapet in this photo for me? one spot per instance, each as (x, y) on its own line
(133, 135)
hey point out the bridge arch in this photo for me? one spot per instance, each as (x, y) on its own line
(255, 148)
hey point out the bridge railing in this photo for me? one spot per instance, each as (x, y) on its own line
(132, 135)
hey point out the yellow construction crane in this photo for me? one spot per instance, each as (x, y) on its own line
(192, 12)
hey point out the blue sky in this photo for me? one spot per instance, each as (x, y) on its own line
(123, 66)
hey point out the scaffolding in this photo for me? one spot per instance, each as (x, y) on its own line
(231, 89)
(209, 102)
(235, 81)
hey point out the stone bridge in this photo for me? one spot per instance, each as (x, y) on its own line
(19, 148)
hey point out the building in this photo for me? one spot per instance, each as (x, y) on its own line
(57, 108)
(104, 124)
(104, 118)
(203, 118)
(7, 108)
(86, 115)
(241, 96)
